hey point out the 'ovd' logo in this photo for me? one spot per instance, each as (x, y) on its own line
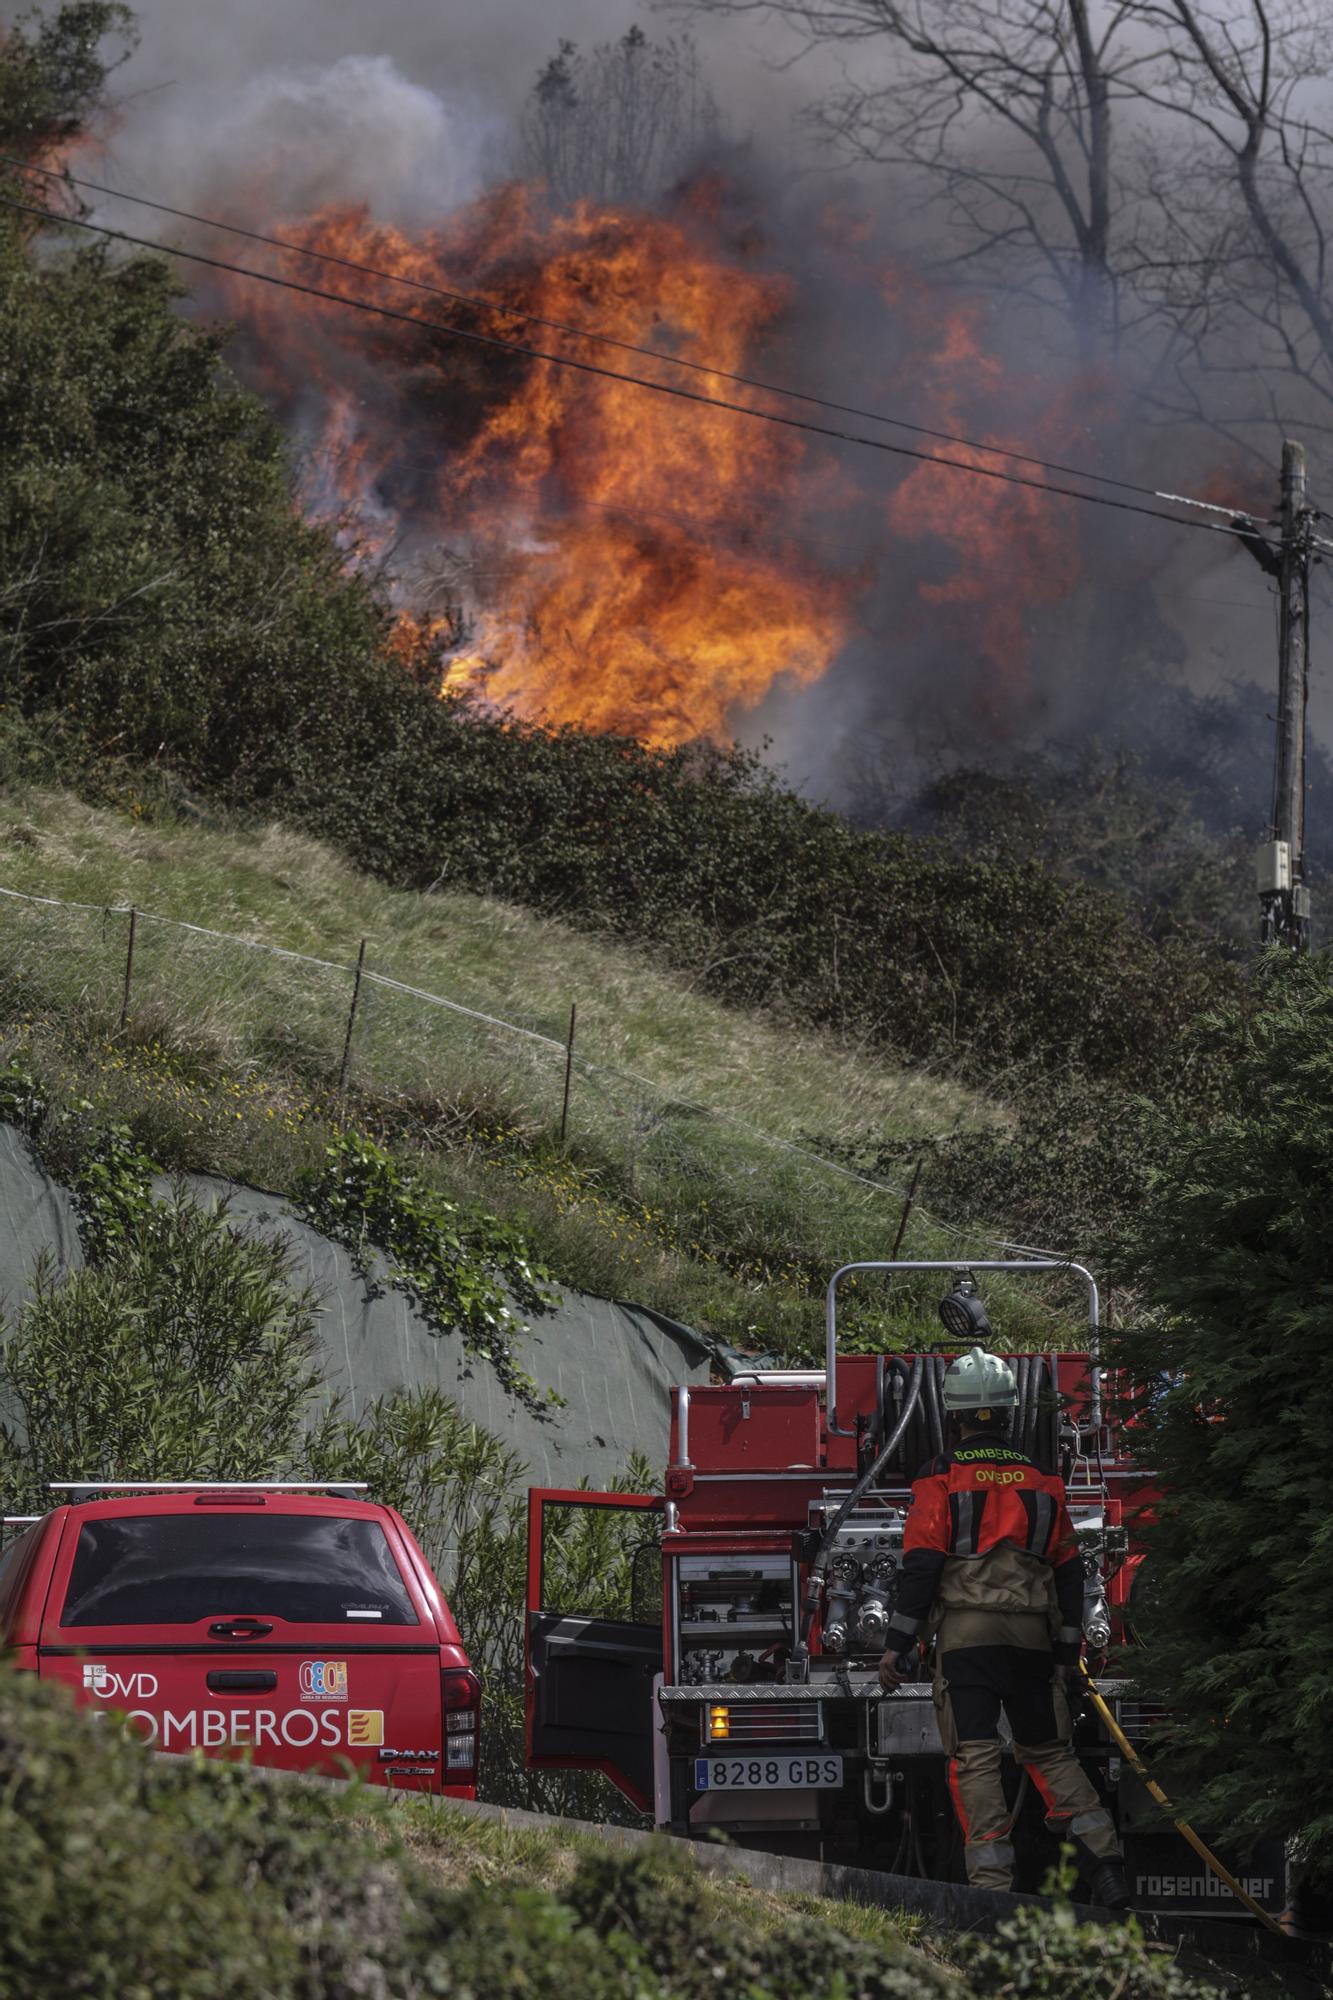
(323, 1680)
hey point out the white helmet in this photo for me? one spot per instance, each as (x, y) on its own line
(979, 1381)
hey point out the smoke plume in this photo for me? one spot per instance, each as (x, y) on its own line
(584, 551)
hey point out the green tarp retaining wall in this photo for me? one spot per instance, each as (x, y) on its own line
(613, 1363)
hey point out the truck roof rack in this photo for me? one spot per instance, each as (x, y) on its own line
(84, 1489)
(19, 1520)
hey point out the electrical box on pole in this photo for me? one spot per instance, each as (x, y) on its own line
(1284, 897)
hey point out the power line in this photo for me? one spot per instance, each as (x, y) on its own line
(615, 375)
(498, 309)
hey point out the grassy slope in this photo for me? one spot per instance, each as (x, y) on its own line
(455, 1849)
(231, 1057)
(280, 888)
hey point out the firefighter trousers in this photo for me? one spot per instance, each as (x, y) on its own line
(973, 1684)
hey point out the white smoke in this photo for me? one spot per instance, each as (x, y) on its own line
(295, 135)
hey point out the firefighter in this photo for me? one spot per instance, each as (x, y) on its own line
(992, 1568)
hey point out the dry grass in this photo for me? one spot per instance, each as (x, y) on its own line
(279, 888)
(676, 1186)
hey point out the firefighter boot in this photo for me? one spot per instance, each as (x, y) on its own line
(1100, 1861)
(1099, 1856)
(1107, 1886)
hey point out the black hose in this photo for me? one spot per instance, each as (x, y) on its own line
(1032, 1430)
(815, 1580)
(914, 1446)
(936, 1425)
(1016, 1432)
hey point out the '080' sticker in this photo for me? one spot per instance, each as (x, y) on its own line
(323, 1680)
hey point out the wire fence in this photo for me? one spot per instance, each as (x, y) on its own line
(356, 1027)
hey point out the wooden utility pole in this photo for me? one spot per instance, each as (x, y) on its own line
(1283, 894)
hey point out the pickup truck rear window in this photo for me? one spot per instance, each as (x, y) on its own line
(174, 1569)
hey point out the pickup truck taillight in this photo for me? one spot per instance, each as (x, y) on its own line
(461, 1701)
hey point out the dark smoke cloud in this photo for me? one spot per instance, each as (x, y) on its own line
(265, 107)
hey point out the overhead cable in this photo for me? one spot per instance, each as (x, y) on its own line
(673, 389)
(291, 248)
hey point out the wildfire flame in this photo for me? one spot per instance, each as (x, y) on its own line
(617, 559)
(653, 584)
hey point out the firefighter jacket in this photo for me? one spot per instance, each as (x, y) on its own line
(988, 1530)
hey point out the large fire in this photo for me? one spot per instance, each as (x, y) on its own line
(581, 550)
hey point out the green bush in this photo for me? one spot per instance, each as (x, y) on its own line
(768, 901)
(1069, 1171)
(130, 1878)
(53, 72)
(648, 1907)
(1233, 1377)
(185, 1354)
(1043, 1954)
(454, 1266)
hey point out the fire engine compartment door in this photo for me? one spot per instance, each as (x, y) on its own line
(594, 1634)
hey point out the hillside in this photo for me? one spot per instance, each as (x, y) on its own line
(689, 1180)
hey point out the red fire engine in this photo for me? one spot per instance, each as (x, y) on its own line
(746, 1700)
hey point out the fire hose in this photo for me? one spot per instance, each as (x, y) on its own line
(1137, 1766)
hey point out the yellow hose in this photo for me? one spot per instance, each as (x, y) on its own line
(1136, 1764)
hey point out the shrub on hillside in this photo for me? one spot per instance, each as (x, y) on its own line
(1165, 843)
(125, 1875)
(1070, 1171)
(158, 587)
(977, 965)
(186, 1354)
(458, 1268)
(1234, 1411)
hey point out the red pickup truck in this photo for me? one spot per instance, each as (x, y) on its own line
(300, 1627)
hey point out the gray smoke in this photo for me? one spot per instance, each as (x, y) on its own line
(210, 73)
(266, 108)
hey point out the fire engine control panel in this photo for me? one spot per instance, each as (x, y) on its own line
(861, 1582)
(733, 1617)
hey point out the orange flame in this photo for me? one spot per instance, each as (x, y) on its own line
(630, 562)
(653, 584)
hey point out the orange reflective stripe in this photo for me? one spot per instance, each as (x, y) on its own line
(1044, 1791)
(956, 1795)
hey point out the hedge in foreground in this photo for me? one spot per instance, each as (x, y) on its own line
(128, 1878)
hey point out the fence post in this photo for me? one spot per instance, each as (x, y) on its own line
(569, 1069)
(351, 1019)
(907, 1210)
(129, 967)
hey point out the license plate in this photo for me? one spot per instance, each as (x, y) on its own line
(783, 1771)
